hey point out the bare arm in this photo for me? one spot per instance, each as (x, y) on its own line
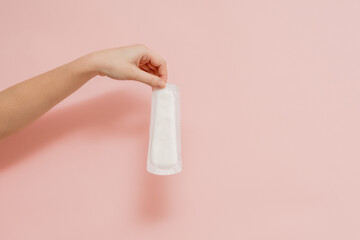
(26, 101)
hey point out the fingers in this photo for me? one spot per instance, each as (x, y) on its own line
(158, 63)
(152, 67)
(146, 68)
(148, 78)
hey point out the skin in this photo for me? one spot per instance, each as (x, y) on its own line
(26, 101)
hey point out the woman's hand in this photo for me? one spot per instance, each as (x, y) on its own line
(24, 102)
(134, 62)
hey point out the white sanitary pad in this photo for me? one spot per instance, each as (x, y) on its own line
(164, 154)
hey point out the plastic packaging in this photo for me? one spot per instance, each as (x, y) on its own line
(164, 153)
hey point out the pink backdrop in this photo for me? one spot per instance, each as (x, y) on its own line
(270, 122)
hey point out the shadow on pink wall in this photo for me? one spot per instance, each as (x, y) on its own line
(99, 115)
(118, 111)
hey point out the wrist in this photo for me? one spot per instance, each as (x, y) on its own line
(88, 65)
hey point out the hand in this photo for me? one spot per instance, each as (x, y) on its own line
(134, 62)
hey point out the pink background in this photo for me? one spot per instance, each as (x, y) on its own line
(270, 122)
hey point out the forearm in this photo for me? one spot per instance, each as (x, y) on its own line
(28, 100)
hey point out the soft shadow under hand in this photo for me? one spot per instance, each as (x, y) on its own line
(95, 115)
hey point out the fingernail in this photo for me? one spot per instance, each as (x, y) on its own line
(161, 84)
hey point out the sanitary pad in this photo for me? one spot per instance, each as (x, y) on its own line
(164, 153)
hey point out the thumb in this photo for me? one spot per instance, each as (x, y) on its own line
(148, 78)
